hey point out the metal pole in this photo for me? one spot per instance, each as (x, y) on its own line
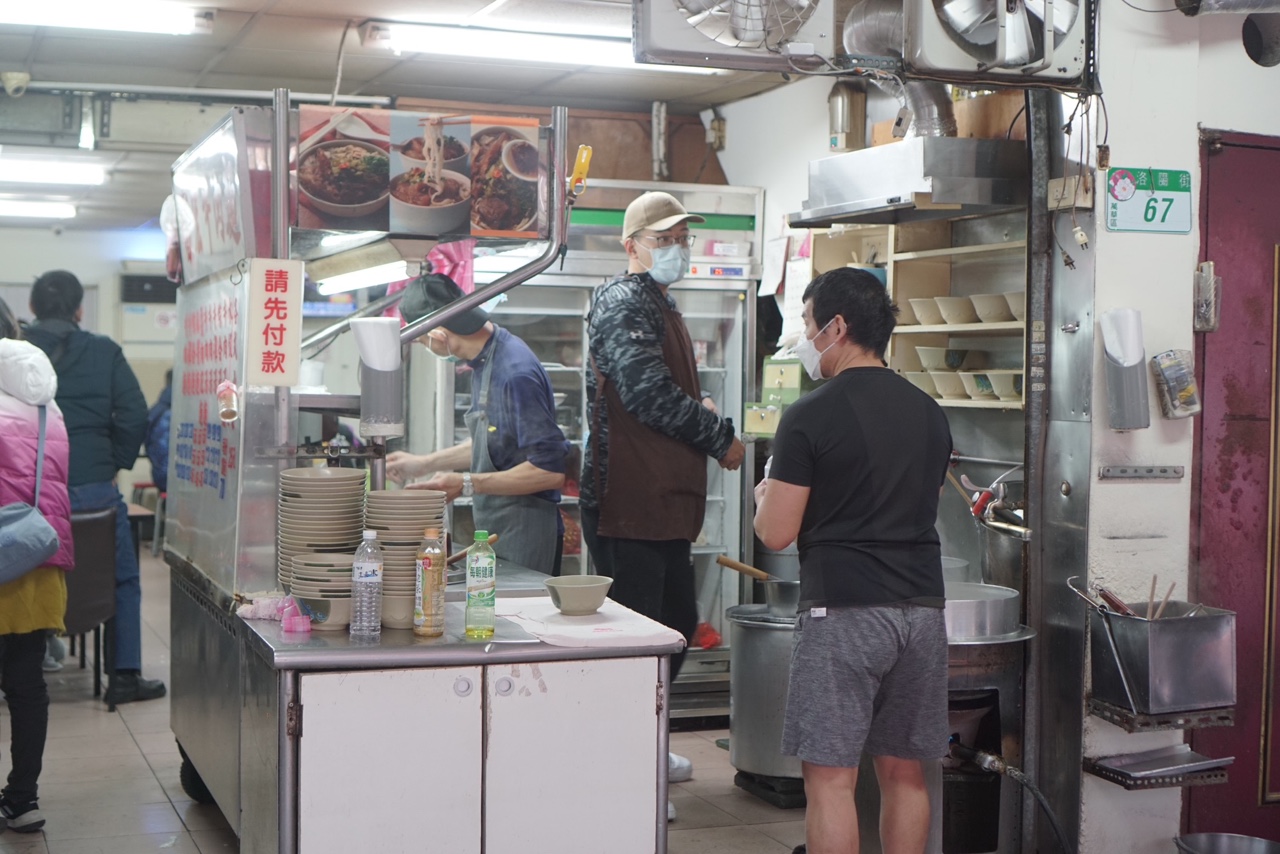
(206, 94)
(559, 216)
(313, 342)
(280, 227)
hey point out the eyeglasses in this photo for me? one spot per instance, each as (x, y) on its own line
(662, 241)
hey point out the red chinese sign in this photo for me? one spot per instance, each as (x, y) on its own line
(274, 344)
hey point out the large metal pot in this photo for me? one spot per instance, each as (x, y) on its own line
(784, 564)
(981, 610)
(759, 669)
(782, 597)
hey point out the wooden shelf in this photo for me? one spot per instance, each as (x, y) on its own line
(969, 403)
(1004, 327)
(958, 251)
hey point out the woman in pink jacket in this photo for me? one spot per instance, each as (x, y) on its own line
(35, 603)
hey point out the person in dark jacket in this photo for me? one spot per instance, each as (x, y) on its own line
(157, 440)
(106, 418)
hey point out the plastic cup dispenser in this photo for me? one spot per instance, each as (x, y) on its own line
(1126, 369)
(381, 377)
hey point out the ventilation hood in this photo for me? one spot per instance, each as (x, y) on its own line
(915, 179)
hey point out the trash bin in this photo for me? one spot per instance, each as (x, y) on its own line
(1224, 843)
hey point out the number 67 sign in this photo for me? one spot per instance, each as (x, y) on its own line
(1152, 200)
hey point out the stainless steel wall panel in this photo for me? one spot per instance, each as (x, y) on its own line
(205, 683)
(259, 754)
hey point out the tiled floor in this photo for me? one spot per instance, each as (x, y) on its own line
(110, 781)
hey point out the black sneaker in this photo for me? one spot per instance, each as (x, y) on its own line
(24, 818)
(130, 687)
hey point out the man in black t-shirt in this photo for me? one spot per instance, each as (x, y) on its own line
(857, 471)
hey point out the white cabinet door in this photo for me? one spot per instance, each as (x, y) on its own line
(571, 761)
(390, 761)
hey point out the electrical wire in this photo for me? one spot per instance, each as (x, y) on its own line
(1151, 11)
(337, 78)
(1016, 116)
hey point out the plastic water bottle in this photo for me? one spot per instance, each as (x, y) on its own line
(482, 587)
(366, 588)
(428, 603)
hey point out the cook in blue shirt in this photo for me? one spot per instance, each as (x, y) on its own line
(513, 465)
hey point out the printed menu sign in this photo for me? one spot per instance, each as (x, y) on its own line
(420, 173)
(273, 348)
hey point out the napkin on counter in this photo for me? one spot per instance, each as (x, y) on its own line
(611, 626)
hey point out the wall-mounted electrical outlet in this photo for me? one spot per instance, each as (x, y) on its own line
(715, 134)
(1073, 192)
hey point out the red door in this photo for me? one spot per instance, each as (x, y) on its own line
(1236, 477)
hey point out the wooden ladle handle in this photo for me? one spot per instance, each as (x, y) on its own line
(739, 566)
(457, 556)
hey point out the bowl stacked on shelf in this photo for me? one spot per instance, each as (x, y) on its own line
(321, 585)
(400, 518)
(320, 510)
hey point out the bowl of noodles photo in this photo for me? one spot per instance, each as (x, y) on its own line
(420, 207)
(500, 201)
(344, 178)
(455, 154)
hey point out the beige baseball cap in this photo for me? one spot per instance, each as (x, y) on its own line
(656, 211)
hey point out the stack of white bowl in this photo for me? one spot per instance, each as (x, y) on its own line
(320, 510)
(401, 518)
(321, 585)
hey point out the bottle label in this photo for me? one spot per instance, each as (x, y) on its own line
(368, 572)
(422, 567)
(482, 584)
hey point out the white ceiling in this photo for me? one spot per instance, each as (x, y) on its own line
(258, 45)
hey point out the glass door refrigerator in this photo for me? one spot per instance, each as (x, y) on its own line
(549, 313)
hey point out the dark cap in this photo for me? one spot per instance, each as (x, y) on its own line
(434, 291)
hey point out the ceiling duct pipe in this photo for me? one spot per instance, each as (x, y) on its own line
(1191, 8)
(874, 28)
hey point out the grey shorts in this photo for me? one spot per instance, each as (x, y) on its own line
(868, 678)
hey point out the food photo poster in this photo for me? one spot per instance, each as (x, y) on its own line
(420, 173)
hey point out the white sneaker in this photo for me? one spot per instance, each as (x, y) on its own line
(671, 811)
(679, 769)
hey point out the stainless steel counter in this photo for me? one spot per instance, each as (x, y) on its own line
(401, 648)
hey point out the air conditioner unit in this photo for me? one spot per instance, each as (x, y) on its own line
(997, 43)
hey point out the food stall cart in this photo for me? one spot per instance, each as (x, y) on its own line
(485, 745)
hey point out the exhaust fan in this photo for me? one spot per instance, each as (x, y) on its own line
(1002, 42)
(993, 42)
(750, 35)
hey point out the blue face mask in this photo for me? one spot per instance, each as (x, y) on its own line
(669, 263)
(448, 357)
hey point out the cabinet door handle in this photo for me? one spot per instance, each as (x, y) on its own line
(462, 686)
(504, 685)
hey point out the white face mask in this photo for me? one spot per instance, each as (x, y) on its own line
(668, 264)
(809, 354)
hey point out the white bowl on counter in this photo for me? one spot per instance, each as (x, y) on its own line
(957, 310)
(926, 311)
(1017, 301)
(922, 381)
(977, 385)
(949, 385)
(992, 308)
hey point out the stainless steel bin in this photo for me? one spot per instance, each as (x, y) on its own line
(1186, 660)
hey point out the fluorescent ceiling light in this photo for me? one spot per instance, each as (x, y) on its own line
(136, 16)
(51, 172)
(501, 45)
(37, 210)
(367, 278)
